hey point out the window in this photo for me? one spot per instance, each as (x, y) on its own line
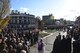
(17, 17)
(22, 21)
(20, 26)
(20, 17)
(18, 21)
(24, 26)
(13, 21)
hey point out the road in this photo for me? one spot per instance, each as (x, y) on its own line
(48, 40)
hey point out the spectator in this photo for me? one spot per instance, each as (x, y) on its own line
(62, 45)
(14, 51)
(23, 51)
(59, 36)
(56, 45)
(15, 42)
(41, 46)
(4, 51)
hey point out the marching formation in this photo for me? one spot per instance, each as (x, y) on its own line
(68, 44)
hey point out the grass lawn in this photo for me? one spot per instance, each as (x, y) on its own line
(50, 31)
(43, 34)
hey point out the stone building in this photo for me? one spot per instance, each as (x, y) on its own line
(48, 19)
(22, 22)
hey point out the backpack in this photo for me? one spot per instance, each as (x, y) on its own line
(40, 46)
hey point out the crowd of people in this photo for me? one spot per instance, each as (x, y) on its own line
(13, 42)
(62, 44)
(19, 42)
(75, 32)
(68, 44)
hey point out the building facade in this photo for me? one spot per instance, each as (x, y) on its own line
(48, 19)
(59, 22)
(22, 22)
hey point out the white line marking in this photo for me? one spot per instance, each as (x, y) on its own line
(49, 35)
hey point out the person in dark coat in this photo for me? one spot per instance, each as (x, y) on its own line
(32, 38)
(68, 45)
(76, 46)
(56, 46)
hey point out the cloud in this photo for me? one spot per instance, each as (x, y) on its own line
(11, 8)
(23, 9)
(70, 10)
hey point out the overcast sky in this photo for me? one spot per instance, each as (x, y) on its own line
(67, 9)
